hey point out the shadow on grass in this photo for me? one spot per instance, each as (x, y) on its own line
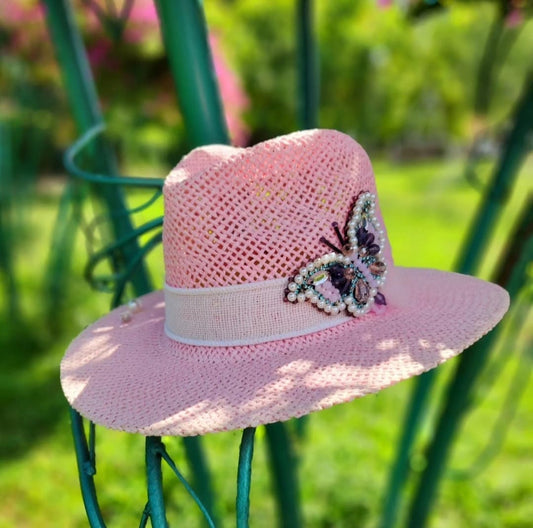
(31, 401)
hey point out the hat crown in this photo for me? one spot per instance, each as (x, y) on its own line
(236, 216)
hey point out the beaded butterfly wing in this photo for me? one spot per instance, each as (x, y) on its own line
(351, 276)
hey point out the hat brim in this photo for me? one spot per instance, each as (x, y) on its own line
(132, 377)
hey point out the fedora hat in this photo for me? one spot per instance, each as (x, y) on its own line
(280, 298)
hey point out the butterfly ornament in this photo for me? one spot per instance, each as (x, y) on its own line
(351, 276)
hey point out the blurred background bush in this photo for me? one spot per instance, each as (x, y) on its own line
(398, 77)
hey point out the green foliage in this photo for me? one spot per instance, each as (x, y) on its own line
(388, 78)
(259, 36)
(385, 78)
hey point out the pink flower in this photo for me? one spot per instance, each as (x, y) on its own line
(16, 13)
(141, 19)
(232, 94)
(99, 54)
(384, 4)
(144, 11)
(24, 20)
(514, 18)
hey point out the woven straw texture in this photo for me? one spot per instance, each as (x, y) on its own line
(235, 216)
(259, 214)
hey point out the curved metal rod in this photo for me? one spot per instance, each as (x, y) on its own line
(244, 476)
(99, 255)
(124, 212)
(141, 207)
(154, 479)
(284, 474)
(86, 469)
(121, 284)
(95, 259)
(473, 248)
(145, 516)
(512, 274)
(81, 143)
(201, 478)
(516, 389)
(166, 457)
(89, 230)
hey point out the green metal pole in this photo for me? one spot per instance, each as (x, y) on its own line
(283, 464)
(86, 471)
(202, 477)
(185, 36)
(308, 95)
(458, 398)
(184, 32)
(6, 229)
(473, 249)
(154, 479)
(514, 153)
(81, 92)
(84, 102)
(515, 150)
(244, 477)
(488, 60)
(308, 76)
(210, 523)
(73, 62)
(400, 468)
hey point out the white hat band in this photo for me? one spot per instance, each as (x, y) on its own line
(244, 314)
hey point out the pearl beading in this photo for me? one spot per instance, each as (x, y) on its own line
(134, 306)
(356, 273)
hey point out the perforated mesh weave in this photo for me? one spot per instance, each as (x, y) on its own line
(258, 214)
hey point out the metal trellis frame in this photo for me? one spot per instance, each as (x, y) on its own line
(476, 242)
(185, 38)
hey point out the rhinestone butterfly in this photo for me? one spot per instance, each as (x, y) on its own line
(351, 276)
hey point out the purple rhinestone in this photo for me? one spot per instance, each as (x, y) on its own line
(373, 249)
(380, 299)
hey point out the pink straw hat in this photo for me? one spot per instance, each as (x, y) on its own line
(281, 298)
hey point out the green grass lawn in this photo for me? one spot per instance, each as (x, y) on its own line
(347, 452)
